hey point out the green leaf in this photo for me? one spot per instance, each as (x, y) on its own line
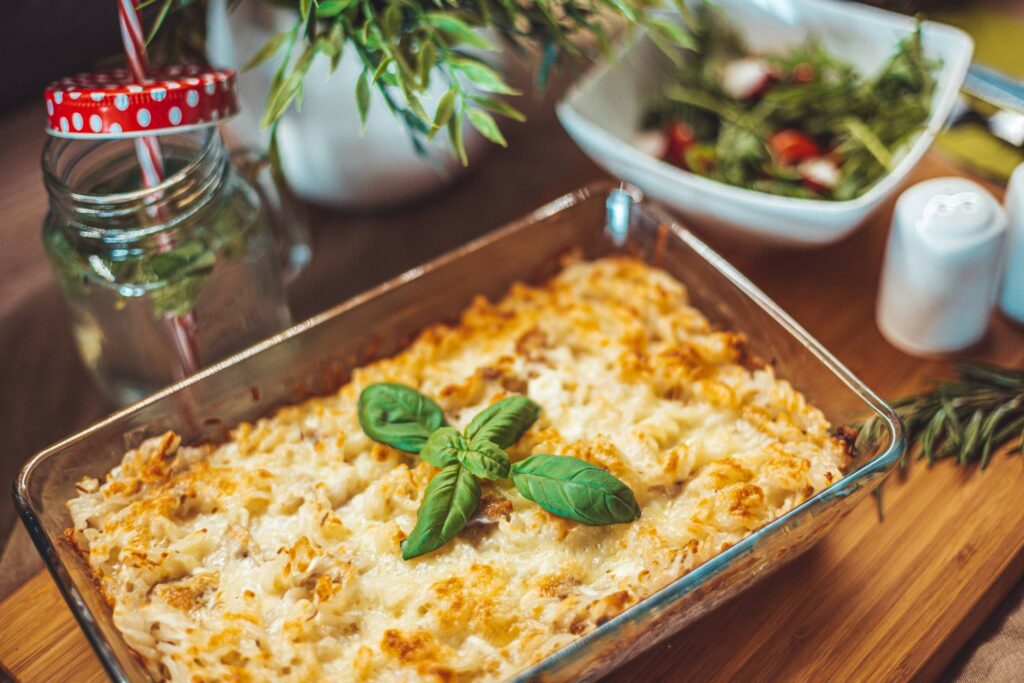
(304, 7)
(363, 97)
(459, 30)
(449, 502)
(269, 49)
(866, 137)
(443, 447)
(284, 92)
(333, 45)
(550, 56)
(189, 258)
(311, 24)
(970, 438)
(280, 98)
(499, 107)
(398, 416)
(624, 8)
(504, 422)
(425, 60)
(445, 109)
(381, 70)
(278, 80)
(486, 459)
(988, 431)
(392, 24)
(575, 489)
(455, 134)
(178, 297)
(484, 123)
(481, 457)
(328, 9)
(685, 12)
(676, 33)
(413, 102)
(482, 76)
(159, 21)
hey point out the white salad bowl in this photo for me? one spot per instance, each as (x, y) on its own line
(603, 113)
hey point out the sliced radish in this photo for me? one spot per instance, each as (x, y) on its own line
(653, 142)
(820, 174)
(745, 78)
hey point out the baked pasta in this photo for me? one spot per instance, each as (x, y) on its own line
(275, 555)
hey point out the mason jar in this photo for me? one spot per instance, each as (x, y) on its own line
(159, 280)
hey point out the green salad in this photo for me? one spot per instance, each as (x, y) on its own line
(800, 124)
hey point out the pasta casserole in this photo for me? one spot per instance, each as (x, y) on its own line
(275, 555)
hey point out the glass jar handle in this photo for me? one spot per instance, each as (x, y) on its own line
(289, 219)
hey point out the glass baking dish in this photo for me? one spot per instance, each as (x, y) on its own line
(317, 356)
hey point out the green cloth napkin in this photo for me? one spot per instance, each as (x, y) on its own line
(997, 43)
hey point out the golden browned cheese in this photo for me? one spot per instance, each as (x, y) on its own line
(275, 555)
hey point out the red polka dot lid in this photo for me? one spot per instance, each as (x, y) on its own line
(112, 104)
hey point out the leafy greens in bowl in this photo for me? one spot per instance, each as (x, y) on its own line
(799, 123)
(605, 113)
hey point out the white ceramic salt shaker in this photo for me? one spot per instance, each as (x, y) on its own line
(942, 268)
(1011, 300)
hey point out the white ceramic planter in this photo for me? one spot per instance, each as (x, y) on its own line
(324, 157)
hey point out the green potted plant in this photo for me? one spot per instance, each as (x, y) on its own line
(377, 101)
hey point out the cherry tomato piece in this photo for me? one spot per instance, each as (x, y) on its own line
(803, 72)
(700, 158)
(680, 137)
(792, 146)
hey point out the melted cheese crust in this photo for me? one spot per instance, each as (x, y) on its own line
(275, 555)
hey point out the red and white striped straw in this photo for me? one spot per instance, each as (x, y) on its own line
(183, 327)
(134, 41)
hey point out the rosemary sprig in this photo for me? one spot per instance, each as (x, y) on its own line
(968, 418)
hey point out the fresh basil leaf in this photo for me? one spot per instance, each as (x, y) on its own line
(575, 489)
(398, 416)
(504, 422)
(443, 447)
(449, 502)
(481, 457)
(486, 459)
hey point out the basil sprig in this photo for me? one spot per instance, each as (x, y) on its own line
(401, 417)
(481, 457)
(398, 416)
(576, 489)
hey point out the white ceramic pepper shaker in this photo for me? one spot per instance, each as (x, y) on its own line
(1012, 298)
(942, 268)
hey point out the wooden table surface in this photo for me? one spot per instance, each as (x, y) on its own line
(892, 600)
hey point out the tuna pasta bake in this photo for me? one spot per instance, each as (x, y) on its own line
(285, 552)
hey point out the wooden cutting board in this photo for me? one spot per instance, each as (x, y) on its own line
(876, 600)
